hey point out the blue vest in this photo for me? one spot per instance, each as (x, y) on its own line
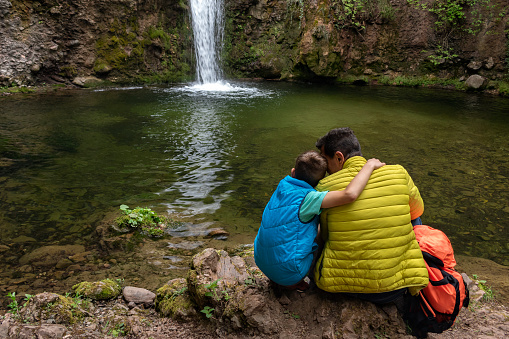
(284, 245)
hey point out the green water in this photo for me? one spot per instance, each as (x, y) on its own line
(68, 159)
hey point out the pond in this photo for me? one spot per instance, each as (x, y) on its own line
(68, 159)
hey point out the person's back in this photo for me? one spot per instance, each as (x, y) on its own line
(371, 247)
(285, 245)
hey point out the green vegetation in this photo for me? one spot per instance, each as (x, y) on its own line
(355, 13)
(456, 16)
(14, 305)
(489, 294)
(297, 5)
(408, 81)
(208, 311)
(120, 329)
(145, 220)
(441, 55)
(16, 89)
(100, 290)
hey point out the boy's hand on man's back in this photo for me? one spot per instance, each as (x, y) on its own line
(375, 163)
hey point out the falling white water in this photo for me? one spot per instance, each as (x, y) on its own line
(208, 21)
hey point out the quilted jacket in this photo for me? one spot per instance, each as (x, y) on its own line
(371, 246)
(284, 245)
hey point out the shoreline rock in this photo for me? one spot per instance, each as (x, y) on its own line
(227, 297)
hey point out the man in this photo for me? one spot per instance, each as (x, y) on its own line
(370, 248)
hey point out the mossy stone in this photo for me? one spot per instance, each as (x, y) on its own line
(99, 290)
(173, 300)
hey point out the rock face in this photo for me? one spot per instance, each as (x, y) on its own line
(320, 40)
(139, 40)
(236, 296)
(46, 41)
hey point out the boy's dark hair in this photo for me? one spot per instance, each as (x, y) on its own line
(340, 139)
(310, 167)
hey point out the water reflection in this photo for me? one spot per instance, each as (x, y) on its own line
(202, 144)
(68, 159)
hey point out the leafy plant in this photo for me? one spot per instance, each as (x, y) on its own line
(118, 330)
(441, 55)
(144, 219)
(14, 306)
(208, 311)
(212, 287)
(178, 292)
(489, 295)
(293, 315)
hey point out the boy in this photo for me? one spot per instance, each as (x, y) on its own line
(285, 243)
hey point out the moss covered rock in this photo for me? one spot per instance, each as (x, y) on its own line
(99, 290)
(173, 300)
(58, 308)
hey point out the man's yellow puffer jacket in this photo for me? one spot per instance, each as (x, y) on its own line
(371, 246)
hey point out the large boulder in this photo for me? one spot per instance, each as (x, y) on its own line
(233, 293)
(476, 82)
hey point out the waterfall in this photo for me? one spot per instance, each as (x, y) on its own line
(208, 21)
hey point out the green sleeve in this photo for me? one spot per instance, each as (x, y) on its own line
(311, 205)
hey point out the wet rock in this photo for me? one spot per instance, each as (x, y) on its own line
(63, 264)
(139, 296)
(49, 255)
(218, 233)
(79, 257)
(476, 82)
(86, 81)
(99, 290)
(23, 239)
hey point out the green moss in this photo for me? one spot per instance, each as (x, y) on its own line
(503, 88)
(66, 310)
(101, 290)
(173, 300)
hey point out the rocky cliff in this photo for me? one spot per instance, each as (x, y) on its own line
(341, 38)
(348, 40)
(118, 40)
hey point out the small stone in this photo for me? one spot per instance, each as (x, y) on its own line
(474, 65)
(489, 63)
(138, 295)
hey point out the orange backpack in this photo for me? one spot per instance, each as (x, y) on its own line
(437, 305)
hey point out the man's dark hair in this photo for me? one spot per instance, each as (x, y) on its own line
(340, 139)
(310, 167)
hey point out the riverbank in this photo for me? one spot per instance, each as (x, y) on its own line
(231, 299)
(475, 85)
